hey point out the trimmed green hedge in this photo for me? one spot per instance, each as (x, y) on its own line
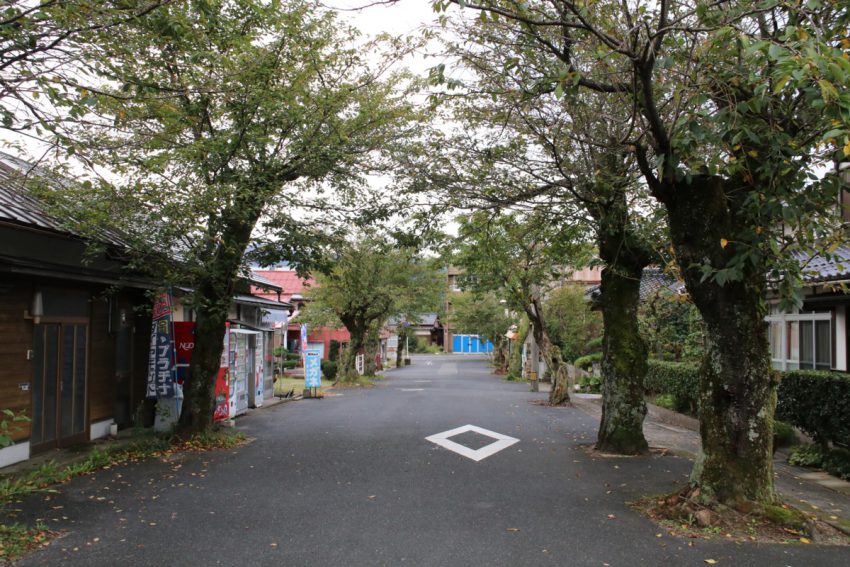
(679, 379)
(817, 402)
(586, 361)
(329, 368)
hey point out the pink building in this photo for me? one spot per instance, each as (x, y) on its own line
(296, 291)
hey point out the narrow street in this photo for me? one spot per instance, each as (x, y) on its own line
(352, 480)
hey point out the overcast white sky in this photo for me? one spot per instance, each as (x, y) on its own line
(401, 17)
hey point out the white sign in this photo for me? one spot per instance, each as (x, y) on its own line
(359, 362)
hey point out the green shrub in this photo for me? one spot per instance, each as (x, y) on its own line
(586, 361)
(9, 421)
(783, 434)
(679, 379)
(593, 345)
(809, 455)
(289, 364)
(835, 461)
(666, 401)
(592, 384)
(818, 403)
(329, 368)
(333, 350)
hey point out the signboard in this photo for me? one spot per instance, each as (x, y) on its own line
(359, 364)
(161, 370)
(312, 369)
(303, 337)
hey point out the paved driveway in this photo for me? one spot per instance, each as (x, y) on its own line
(352, 480)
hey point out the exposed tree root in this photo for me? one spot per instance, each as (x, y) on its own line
(689, 513)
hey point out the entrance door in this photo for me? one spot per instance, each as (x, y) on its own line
(59, 385)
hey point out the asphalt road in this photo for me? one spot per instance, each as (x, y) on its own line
(351, 480)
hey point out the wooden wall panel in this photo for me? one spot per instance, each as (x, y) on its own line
(15, 341)
(101, 378)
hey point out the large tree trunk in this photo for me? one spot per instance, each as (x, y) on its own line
(624, 352)
(348, 367)
(623, 363)
(399, 354)
(213, 295)
(372, 346)
(737, 384)
(560, 393)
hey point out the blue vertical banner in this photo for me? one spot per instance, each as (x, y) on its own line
(312, 369)
(161, 365)
(303, 337)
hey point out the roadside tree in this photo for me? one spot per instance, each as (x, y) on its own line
(518, 256)
(212, 115)
(733, 105)
(367, 282)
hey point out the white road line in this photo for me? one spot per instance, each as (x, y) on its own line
(501, 442)
(412, 389)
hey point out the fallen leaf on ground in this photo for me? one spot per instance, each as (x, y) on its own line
(711, 561)
(805, 540)
(513, 529)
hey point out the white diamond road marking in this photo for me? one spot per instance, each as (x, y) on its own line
(501, 442)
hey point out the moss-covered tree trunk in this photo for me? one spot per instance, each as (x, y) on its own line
(624, 352)
(560, 393)
(737, 384)
(624, 363)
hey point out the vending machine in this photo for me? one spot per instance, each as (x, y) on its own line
(255, 397)
(246, 370)
(239, 369)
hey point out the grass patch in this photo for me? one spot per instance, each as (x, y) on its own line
(283, 386)
(17, 540)
(15, 487)
(361, 382)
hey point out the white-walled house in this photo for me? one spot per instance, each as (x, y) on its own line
(815, 337)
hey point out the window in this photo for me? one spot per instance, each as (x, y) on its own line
(800, 340)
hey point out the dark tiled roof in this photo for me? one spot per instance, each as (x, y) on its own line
(825, 268)
(19, 206)
(423, 320)
(652, 281)
(16, 205)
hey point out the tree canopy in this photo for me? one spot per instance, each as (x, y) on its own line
(367, 282)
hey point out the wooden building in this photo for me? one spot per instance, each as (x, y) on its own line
(74, 333)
